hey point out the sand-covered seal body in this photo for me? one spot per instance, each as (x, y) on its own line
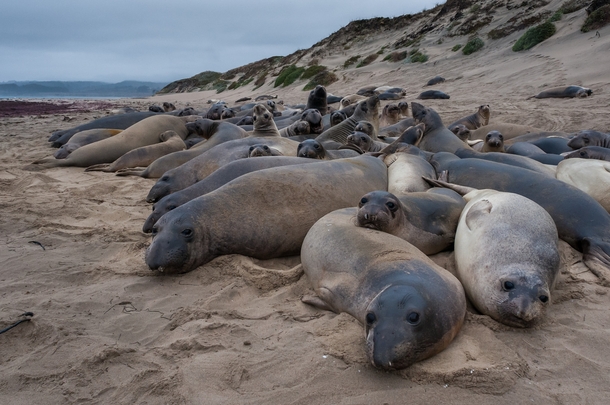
(432, 95)
(427, 220)
(283, 203)
(406, 172)
(410, 308)
(507, 256)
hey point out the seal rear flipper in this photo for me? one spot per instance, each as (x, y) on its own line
(317, 302)
(596, 256)
(103, 167)
(441, 182)
(130, 172)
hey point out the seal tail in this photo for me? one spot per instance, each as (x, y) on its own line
(130, 172)
(441, 182)
(596, 256)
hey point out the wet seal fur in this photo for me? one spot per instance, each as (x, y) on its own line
(411, 309)
(219, 222)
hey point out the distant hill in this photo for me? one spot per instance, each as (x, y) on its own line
(128, 88)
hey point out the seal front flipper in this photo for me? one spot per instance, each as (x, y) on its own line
(477, 212)
(317, 302)
(596, 256)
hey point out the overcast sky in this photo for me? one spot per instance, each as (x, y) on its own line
(152, 40)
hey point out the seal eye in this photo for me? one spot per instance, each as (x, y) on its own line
(164, 178)
(316, 146)
(585, 140)
(413, 318)
(543, 298)
(266, 147)
(171, 207)
(370, 318)
(251, 148)
(508, 285)
(187, 232)
(364, 200)
(155, 230)
(583, 153)
(254, 118)
(391, 205)
(266, 116)
(501, 137)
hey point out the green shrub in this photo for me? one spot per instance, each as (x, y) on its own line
(556, 17)
(597, 19)
(473, 45)
(260, 80)
(456, 47)
(312, 71)
(368, 60)
(534, 36)
(323, 78)
(351, 61)
(220, 85)
(571, 6)
(288, 75)
(395, 56)
(417, 56)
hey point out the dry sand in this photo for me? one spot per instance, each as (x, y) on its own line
(108, 330)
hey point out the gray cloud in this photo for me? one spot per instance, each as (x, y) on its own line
(163, 40)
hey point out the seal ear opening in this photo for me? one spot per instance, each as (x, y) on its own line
(476, 212)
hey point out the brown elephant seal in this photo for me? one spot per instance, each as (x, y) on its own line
(143, 133)
(312, 149)
(351, 99)
(433, 95)
(83, 138)
(590, 176)
(367, 91)
(589, 138)
(406, 170)
(509, 131)
(427, 220)
(589, 152)
(167, 106)
(156, 108)
(215, 111)
(216, 180)
(337, 117)
(461, 132)
(435, 80)
(367, 110)
(565, 92)
(437, 138)
(170, 142)
(364, 143)
(264, 97)
(507, 256)
(390, 115)
(396, 129)
(366, 127)
(264, 125)
(404, 108)
(580, 220)
(494, 142)
(474, 121)
(410, 308)
(185, 237)
(261, 149)
(228, 113)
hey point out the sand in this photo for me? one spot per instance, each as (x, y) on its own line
(108, 330)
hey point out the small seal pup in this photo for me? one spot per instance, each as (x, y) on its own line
(474, 121)
(507, 256)
(494, 142)
(410, 308)
(428, 220)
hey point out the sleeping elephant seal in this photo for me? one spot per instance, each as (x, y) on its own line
(507, 256)
(143, 133)
(410, 308)
(220, 223)
(580, 220)
(433, 94)
(565, 92)
(437, 138)
(427, 220)
(83, 138)
(590, 176)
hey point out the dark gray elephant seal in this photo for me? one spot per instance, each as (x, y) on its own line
(427, 220)
(170, 142)
(435, 80)
(318, 99)
(565, 92)
(410, 308)
(461, 132)
(260, 150)
(437, 138)
(580, 220)
(589, 138)
(215, 180)
(312, 149)
(474, 121)
(185, 237)
(589, 152)
(390, 115)
(432, 95)
(83, 138)
(367, 110)
(395, 130)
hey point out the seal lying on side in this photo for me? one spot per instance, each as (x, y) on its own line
(590, 176)
(435, 80)
(427, 220)
(433, 94)
(565, 92)
(410, 308)
(363, 142)
(590, 152)
(83, 138)
(507, 256)
(580, 220)
(589, 137)
(219, 223)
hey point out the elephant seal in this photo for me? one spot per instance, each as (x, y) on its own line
(312, 149)
(435, 80)
(461, 132)
(241, 100)
(553, 144)
(507, 256)
(363, 142)
(156, 108)
(565, 92)
(336, 117)
(432, 95)
(474, 121)
(167, 106)
(120, 121)
(401, 126)
(589, 152)
(390, 115)
(185, 237)
(494, 142)
(590, 176)
(367, 91)
(215, 111)
(509, 159)
(437, 137)
(142, 133)
(589, 138)
(367, 110)
(260, 150)
(404, 108)
(216, 180)
(264, 125)
(83, 138)
(427, 220)
(533, 152)
(406, 170)
(388, 95)
(351, 99)
(580, 220)
(317, 99)
(170, 142)
(509, 131)
(410, 308)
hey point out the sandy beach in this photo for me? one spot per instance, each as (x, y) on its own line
(106, 329)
